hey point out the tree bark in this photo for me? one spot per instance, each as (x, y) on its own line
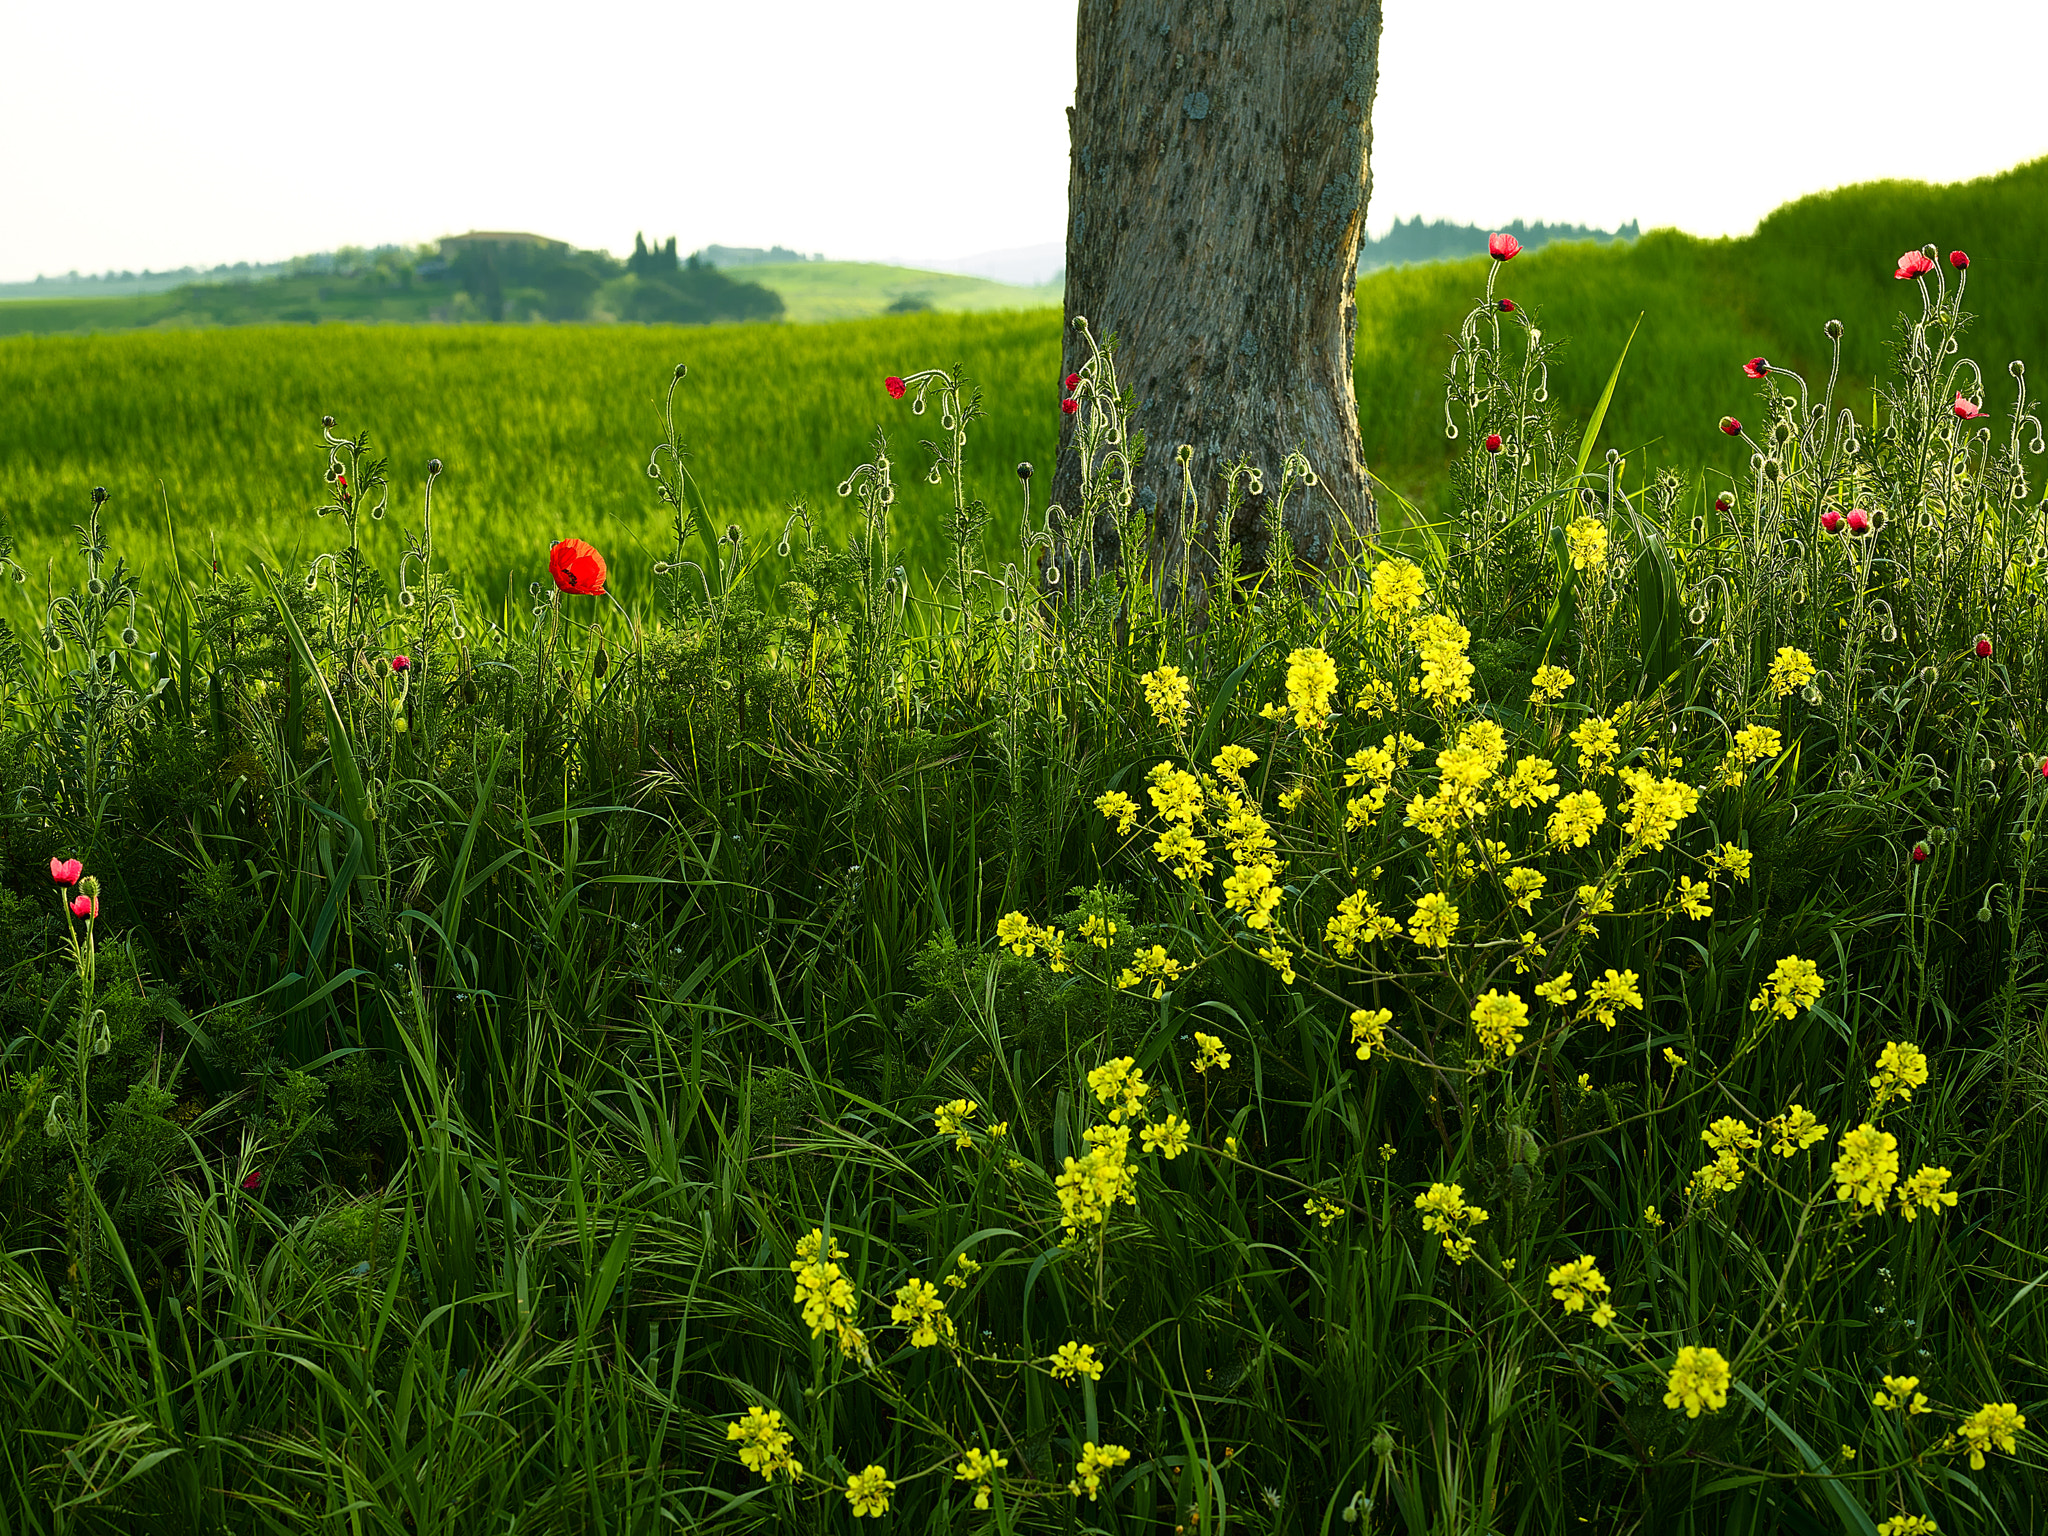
(1221, 154)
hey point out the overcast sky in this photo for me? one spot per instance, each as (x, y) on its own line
(140, 135)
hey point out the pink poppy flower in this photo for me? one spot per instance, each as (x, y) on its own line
(83, 905)
(1959, 259)
(401, 663)
(1920, 853)
(1831, 520)
(1983, 647)
(1756, 367)
(1859, 520)
(1914, 264)
(1503, 247)
(1073, 381)
(1068, 407)
(65, 871)
(254, 1181)
(1493, 442)
(1964, 409)
(1507, 306)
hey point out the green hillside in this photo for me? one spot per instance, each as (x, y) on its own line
(856, 290)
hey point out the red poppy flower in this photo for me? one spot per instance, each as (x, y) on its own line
(254, 1180)
(1756, 367)
(1983, 647)
(1731, 426)
(401, 663)
(1507, 306)
(1831, 520)
(1070, 406)
(83, 905)
(1493, 442)
(1919, 853)
(1959, 259)
(1859, 520)
(1503, 247)
(1914, 264)
(1073, 381)
(1964, 409)
(1723, 502)
(577, 568)
(65, 871)
(895, 387)
(2044, 767)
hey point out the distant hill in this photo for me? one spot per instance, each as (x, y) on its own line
(120, 285)
(1439, 240)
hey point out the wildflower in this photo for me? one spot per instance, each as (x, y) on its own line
(951, 1120)
(1311, 680)
(979, 1467)
(1506, 306)
(1176, 794)
(1434, 922)
(1095, 1460)
(1651, 1217)
(1577, 817)
(1183, 853)
(1793, 984)
(1233, 760)
(1549, 684)
(1868, 1166)
(1324, 1211)
(764, 1444)
(1375, 697)
(1859, 520)
(1756, 368)
(1097, 930)
(1598, 742)
(1154, 965)
(895, 387)
(1120, 808)
(1901, 1067)
(1730, 860)
(1169, 1138)
(823, 1292)
(920, 1308)
(1015, 932)
(1731, 426)
(1533, 783)
(1831, 520)
(1398, 587)
(1794, 1131)
(1908, 1525)
(1723, 502)
(868, 1492)
(1585, 541)
(1252, 892)
(1282, 960)
(1993, 1425)
(1983, 647)
(1503, 247)
(1558, 991)
(254, 1182)
(1121, 1085)
(1493, 442)
(1920, 852)
(1497, 1020)
(577, 568)
(1692, 898)
(1925, 1190)
(1369, 1030)
(1901, 1392)
(1166, 695)
(1791, 670)
(1072, 381)
(1754, 743)
(1674, 1061)
(1699, 1379)
(84, 905)
(1090, 1185)
(1358, 921)
(401, 663)
(1576, 1283)
(1446, 1213)
(1616, 989)
(1914, 264)
(1965, 410)
(967, 1270)
(65, 872)
(1071, 1361)
(1069, 406)
(1728, 1134)
(1656, 806)
(1446, 670)
(1210, 1053)
(1959, 259)
(1524, 885)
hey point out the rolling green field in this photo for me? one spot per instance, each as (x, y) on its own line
(857, 290)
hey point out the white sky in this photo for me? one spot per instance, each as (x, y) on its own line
(138, 135)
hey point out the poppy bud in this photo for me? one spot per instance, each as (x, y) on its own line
(1493, 442)
(85, 906)
(577, 568)
(1507, 306)
(65, 871)
(1831, 520)
(1073, 381)
(1859, 520)
(1503, 247)
(1965, 411)
(99, 495)
(1068, 407)
(1984, 647)
(1919, 853)
(1914, 264)
(895, 387)
(433, 466)
(401, 663)
(327, 421)
(1756, 367)
(1024, 470)
(1959, 259)
(254, 1181)
(1723, 502)
(1731, 426)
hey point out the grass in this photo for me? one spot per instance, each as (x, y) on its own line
(814, 291)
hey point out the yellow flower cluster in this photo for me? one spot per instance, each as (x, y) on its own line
(1072, 1360)
(1868, 1166)
(1095, 1460)
(1020, 936)
(1793, 984)
(1901, 1067)
(1324, 1211)
(1577, 817)
(1398, 588)
(1166, 695)
(1209, 1052)
(1446, 1212)
(1730, 860)
(1369, 1030)
(868, 1492)
(1699, 1379)
(1549, 684)
(1251, 891)
(1791, 670)
(1991, 1427)
(764, 1444)
(1121, 1085)
(1532, 784)
(980, 1467)
(1908, 1525)
(1358, 921)
(1152, 965)
(1606, 994)
(1926, 1190)
(1794, 1131)
(1497, 1020)
(1656, 806)
(920, 1308)
(1434, 922)
(1169, 1138)
(1093, 1183)
(1585, 542)
(1901, 1392)
(1446, 670)
(952, 1119)
(1752, 744)
(1579, 1282)
(1598, 743)
(1119, 808)
(1311, 683)
(823, 1291)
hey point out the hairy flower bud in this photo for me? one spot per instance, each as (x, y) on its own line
(1731, 426)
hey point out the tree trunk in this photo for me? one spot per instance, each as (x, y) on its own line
(1221, 164)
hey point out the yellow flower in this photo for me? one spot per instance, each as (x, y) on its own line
(1901, 1067)
(1615, 990)
(1120, 808)
(1754, 743)
(1908, 1525)
(1794, 984)
(1651, 1217)
(1925, 1190)
(1245, 833)
(1210, 1053)
(1324, 1211)
(1369, 1030)
(1282, 960)
(1232, 761)
(1014, 930)
(1558, 991)
(1099, 931)
(1090, 1185)
(952, 1121)
(823, 1292)
(1676, 1062)
(1577, 1283)
(980, 1467)
(1311, 682)
(1375, 697)
(1532, 784)
(1577, 817)
(1585, 1082)
(920, 1308)
(1598, 742)
(1488, 741)
(1730, 860)
(1794, 1131)
(868, 1492)
(1524, 885)
(1446, 670)
(764, 1444)
(1791, 670)
(968, 1268)
(1176, 794)
(1497, 1020)
(1585, 541)
(1603, 1315)
(1183, 853)
(1723, 1174)
(1868, 1166)
(1549, 684)
(1729, 1134)
(1121, 1084)
(1446, 1213)
(1358, 921)
(1154, 965)
(1166, 695)
(1095, 1460)
(1699, 1379)
(1434, 922)
(1071, 1361)
(1169, 1137)
(1656, 806)
(1901, 1392)
(1397, 587)
(1692, 898)
(1993, 1425)
(1251, 890)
